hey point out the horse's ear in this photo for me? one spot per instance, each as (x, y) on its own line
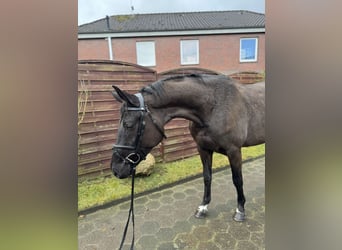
(123, 96)
(116, 92)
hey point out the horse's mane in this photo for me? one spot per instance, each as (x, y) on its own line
(158, 86)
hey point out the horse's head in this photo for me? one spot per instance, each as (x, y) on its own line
(138, 133)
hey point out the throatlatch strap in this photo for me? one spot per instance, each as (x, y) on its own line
(131, 212)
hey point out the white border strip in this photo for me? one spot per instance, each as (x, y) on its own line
(169, 33)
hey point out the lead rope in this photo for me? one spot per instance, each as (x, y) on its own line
(131, 212)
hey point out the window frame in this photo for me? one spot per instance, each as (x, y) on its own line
(255, 59)
(182, 52)
(151, 62)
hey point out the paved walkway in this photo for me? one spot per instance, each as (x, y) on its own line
(164, 219)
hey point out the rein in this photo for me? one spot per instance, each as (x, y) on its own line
(131, 212)
(134, 158)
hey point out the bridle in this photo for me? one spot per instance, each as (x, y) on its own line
(134, 158)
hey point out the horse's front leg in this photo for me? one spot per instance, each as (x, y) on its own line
(235, 159)
(206, 158)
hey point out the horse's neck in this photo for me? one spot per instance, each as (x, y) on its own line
(189, 101)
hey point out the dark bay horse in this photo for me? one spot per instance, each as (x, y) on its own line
(224, 116)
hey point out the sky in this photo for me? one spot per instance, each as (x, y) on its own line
(91, 10)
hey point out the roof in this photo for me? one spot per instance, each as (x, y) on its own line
(210, 20)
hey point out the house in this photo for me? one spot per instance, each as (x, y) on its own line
(223, 41)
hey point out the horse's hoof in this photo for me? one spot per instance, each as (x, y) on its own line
(200, 215)
(239, 216)
(201, 212)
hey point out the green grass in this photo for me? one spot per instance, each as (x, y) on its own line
(103, 190)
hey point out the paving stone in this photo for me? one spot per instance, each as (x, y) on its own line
(167, 246)
(246, 245)
(207, 245)
(167, 192)
(124, 206)
(148, 242)
(254, 226)
(122, 216)
(155, 196)
(182, 204)
(149, 227)
(212, 214)
(218, 225)
(107, 243)
(141, 200)
(165, 234)
(93, 236)
(196, 222)
(180, 215)
(194, 200)
(126, 247)
(166, 209)
(239, 231)
(166, 200)
(186, 241)
(202, 233)
(153, 205)
(166, 221)
(179, 196)
(192, 191)
(225, 240)
(85, 228)
(258, 239)
(91, 247)
(182, 226)
(139, 209)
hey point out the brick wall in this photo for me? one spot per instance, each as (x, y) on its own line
(93, 49)
(217, 52)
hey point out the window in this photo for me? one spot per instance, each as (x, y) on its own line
(146, 54)
(248, 49)
(189, 52)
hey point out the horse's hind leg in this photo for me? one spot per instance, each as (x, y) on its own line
(206, 158)
(234, 155)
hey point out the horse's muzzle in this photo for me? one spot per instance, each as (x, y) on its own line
(119, 167)
(121, 172)
(118, 176)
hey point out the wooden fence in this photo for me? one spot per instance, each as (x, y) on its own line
(99, 113)
(248, 77)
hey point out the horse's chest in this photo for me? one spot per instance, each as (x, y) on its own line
(204, 138)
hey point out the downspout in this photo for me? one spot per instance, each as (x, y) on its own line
(109, 39)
